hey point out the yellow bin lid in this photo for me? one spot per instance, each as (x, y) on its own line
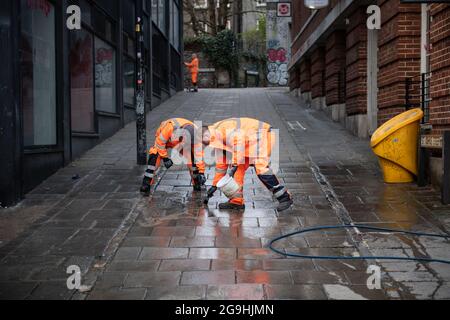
(395, 124)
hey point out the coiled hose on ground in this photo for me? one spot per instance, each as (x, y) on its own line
(362, 227)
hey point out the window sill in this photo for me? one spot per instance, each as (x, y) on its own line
(42, 151)
(108, 114)
(85, 135)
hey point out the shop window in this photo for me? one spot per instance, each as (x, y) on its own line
(86, 12)
(128, 81)
(155, 11)
(129, 66)
(82, 81)
(129, 46)
(129, 15)
(38, 73)
(176, 27)
(103, 26)
(105, 77)
(162, 16)
(171, 19)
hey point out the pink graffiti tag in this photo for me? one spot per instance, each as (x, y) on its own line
(42, 5)
(277, 55)
(104, 55)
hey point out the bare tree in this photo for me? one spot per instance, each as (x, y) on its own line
(189, 8)
(215, 16)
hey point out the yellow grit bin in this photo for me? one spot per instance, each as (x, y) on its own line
(396, 143)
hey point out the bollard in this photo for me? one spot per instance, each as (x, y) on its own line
(141, 125)
(446, 178)
(424, 163)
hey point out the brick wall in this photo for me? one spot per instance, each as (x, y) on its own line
(294, 78)
(317, 72)
(300, 15)
(335, 64)
(303, 14)
(440, 66)
(305, 76)
(356, 63)
(399, 42)
(399, 54)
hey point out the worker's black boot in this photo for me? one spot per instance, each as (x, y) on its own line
(285, 202)
(231, 206)
(146, 187)
(199, 181)
(280, 192)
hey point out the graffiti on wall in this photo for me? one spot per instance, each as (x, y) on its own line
(278, 52)
(104, 68)
(278, 74)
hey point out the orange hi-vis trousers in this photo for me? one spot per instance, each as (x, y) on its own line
(261, 164)
(194, 69)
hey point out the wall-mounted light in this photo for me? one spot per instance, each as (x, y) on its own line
(316, 4)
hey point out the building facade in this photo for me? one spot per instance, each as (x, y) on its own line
(278, 41)
(364, 62)
(64, 91)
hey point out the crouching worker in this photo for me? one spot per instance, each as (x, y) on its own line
(241, 143)
(180, 134)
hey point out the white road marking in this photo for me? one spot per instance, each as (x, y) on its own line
(301, 126)
(295, 125)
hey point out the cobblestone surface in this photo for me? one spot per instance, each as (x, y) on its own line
(172, 247)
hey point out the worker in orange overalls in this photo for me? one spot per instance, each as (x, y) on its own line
(176, 133)
(241, 143)
(193, 68)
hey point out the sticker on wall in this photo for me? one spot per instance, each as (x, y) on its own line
(284, 9)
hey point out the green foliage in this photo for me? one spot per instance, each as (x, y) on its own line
(220, 50)
(254, 42)
(193, 41)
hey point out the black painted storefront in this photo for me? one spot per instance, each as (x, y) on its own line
(62, 92)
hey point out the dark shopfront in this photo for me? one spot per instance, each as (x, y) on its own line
(63, 91)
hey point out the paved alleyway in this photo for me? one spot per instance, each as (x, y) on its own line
(172, 247)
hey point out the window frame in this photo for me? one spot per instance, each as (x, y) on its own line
(114, 44)
(96, 127)
(127, 55)
(59, 111)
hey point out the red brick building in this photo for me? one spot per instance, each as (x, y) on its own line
(357, 75)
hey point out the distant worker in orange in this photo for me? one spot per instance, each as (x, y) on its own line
(176, 133)
(193, 68)
(241, 143)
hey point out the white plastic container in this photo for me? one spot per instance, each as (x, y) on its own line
(229, 186)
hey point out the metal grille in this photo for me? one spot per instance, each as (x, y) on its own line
(417, 94)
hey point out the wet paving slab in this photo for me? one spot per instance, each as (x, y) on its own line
(173, 247)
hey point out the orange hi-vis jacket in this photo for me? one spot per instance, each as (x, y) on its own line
(250, 142)
(243, 137)
(168, 136)
(194, 68)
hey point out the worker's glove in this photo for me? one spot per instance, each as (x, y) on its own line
(200, 180)
(233, 171)
(146, 186)
(168, 163)
(210, 194)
